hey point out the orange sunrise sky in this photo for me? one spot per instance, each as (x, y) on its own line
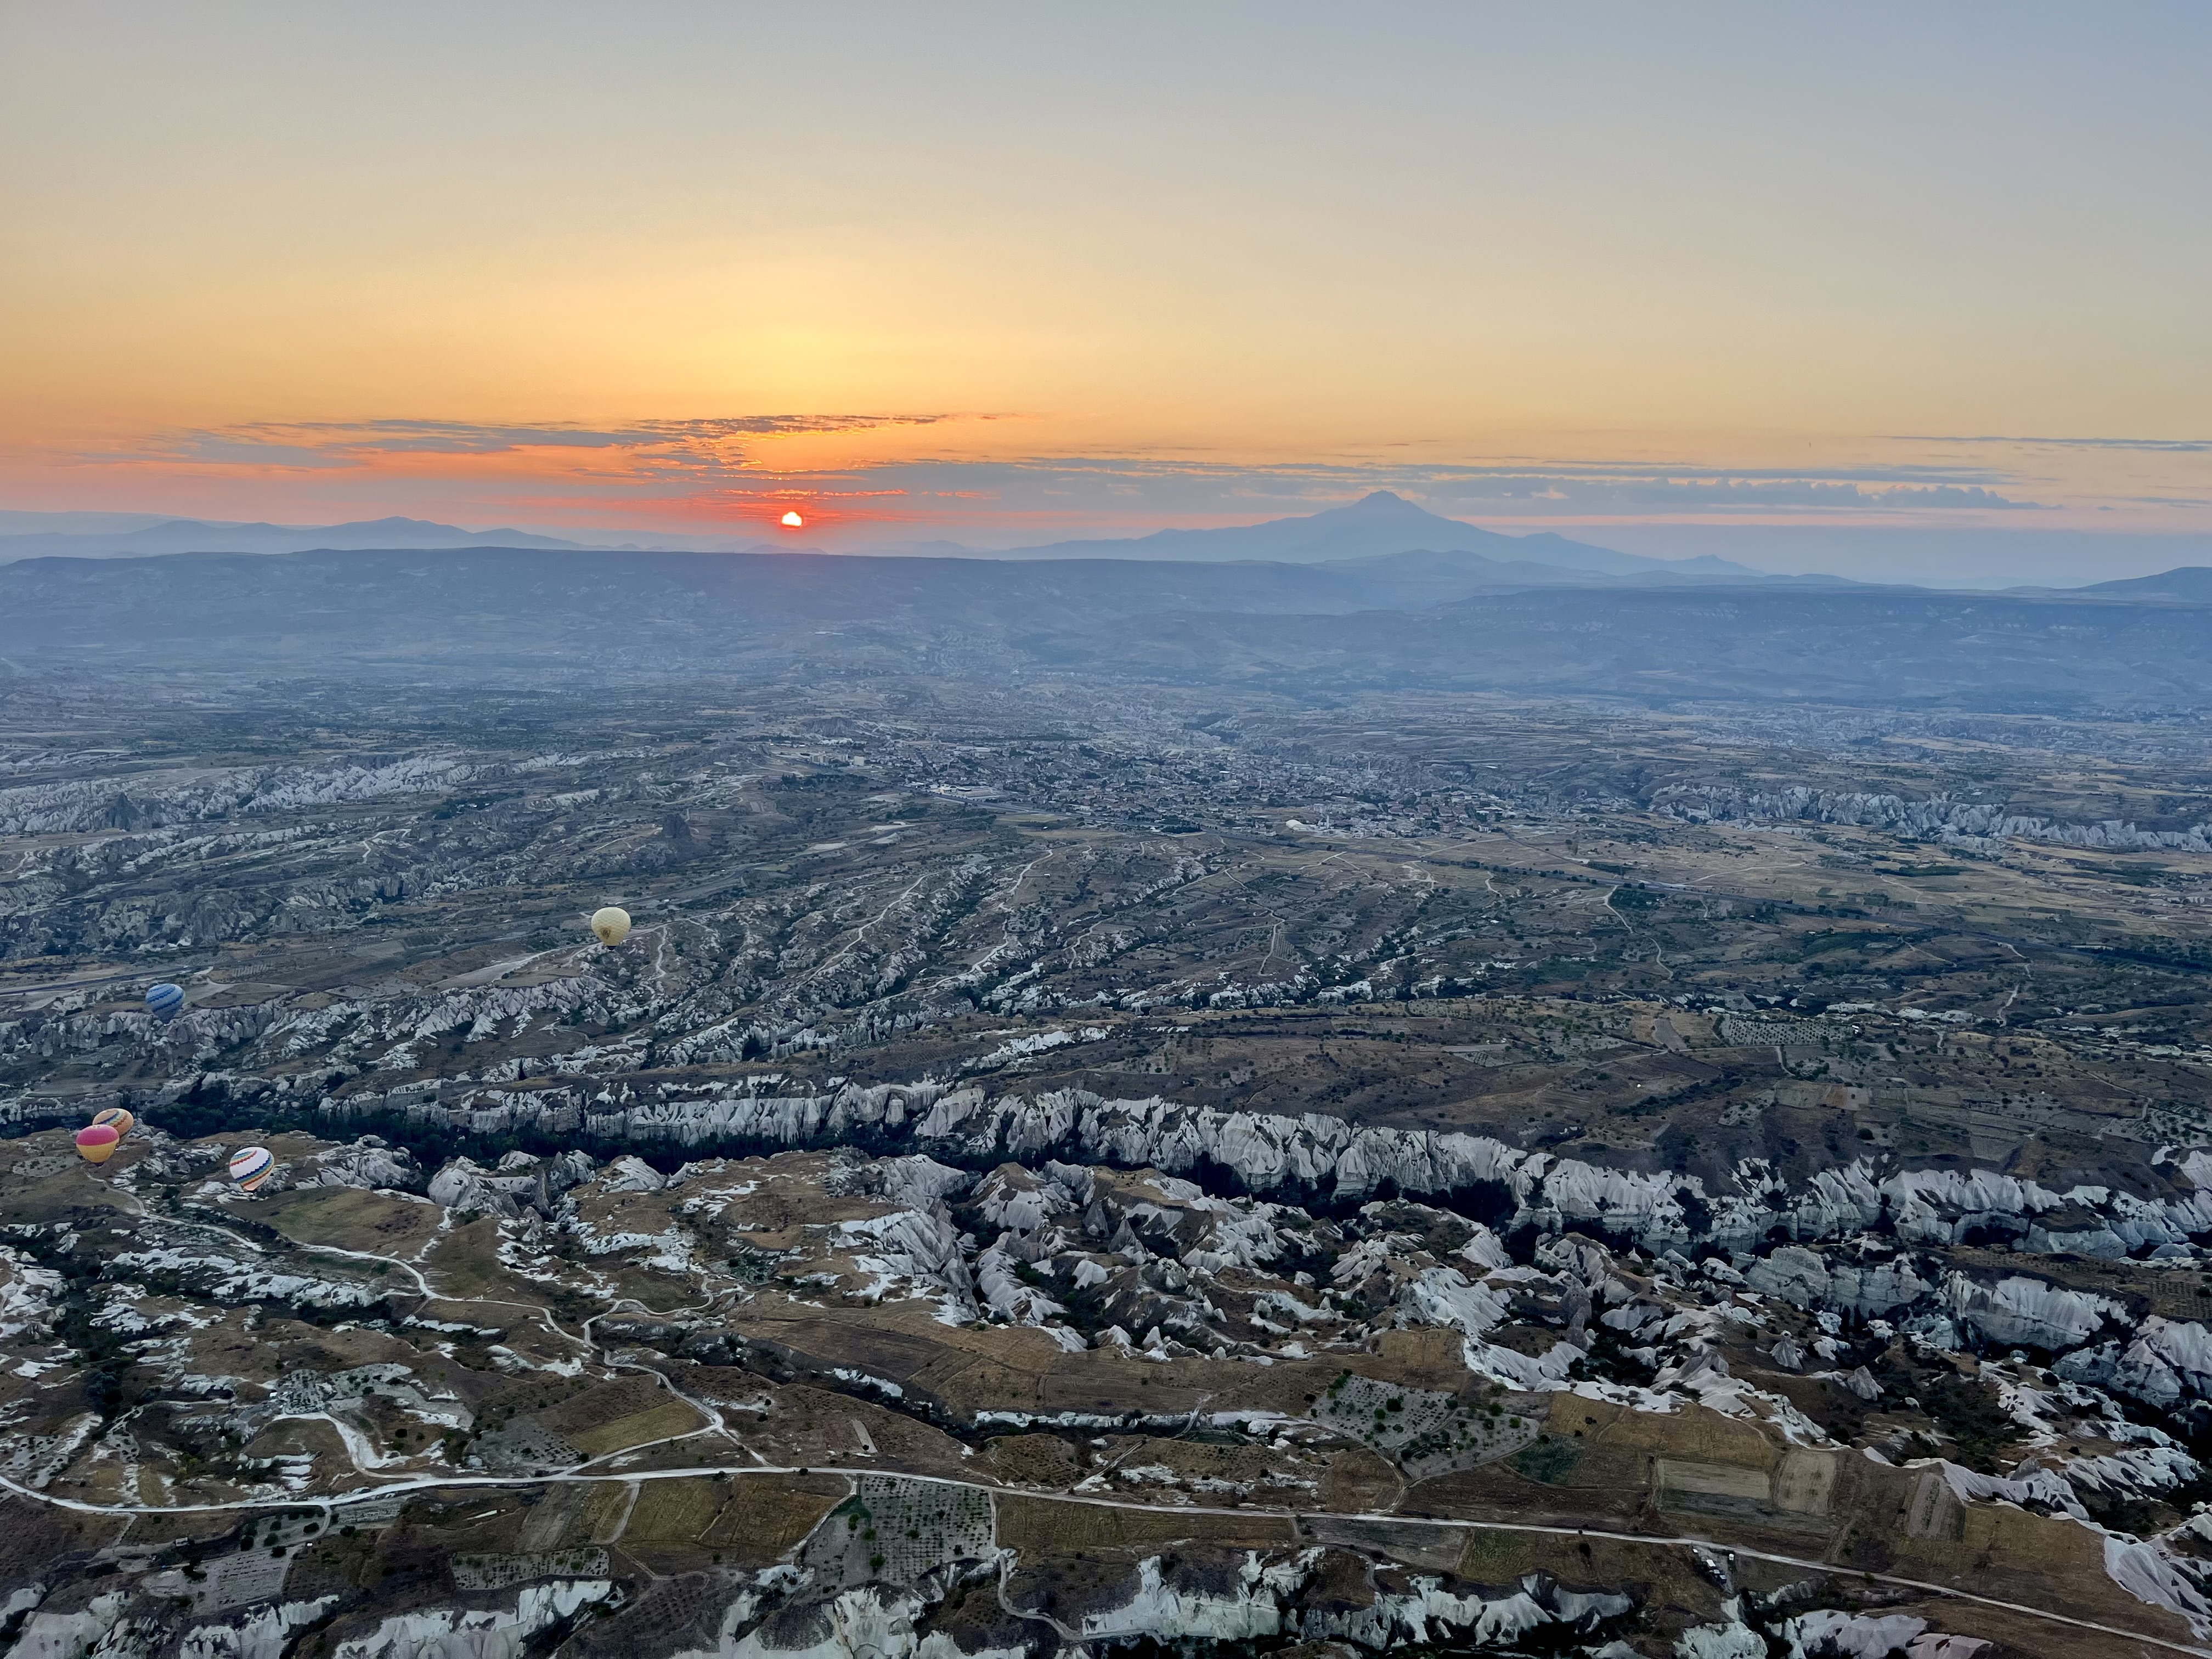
(1006, 274)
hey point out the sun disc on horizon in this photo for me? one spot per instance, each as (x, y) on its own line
(792, 521)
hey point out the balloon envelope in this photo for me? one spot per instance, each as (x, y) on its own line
(611, 925)
(166, 1001)
(96, 1143)
(115, 1119)
(250, 1166)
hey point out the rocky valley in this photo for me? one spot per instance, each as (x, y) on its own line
(1071, 1159)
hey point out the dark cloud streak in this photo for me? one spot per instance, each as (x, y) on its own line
(2154, 445)
(1055, 485)
(708, 444)
(718, 466)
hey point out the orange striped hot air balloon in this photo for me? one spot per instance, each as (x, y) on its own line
(116, 1118)
(97, 1142)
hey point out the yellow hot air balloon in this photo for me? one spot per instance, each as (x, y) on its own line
(97, 1142)
(611, 925)
(116, 1118)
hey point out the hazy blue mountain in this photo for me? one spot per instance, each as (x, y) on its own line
(198, 536)
(2022, 554)
(1424, 576)
(16, 521)
(409, 598)
(2191, 582)
(536, 616)
(1756, 643)
(1381, 523)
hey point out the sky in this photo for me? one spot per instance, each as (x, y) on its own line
(1008, 274)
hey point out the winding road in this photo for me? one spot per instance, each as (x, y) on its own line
(444, 1483)
(327, 1505)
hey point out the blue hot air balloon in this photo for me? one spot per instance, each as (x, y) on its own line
(166, 1001)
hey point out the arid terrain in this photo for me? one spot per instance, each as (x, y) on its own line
(1255, 830)
(1061, 1164)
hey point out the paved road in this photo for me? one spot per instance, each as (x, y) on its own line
(442, 1483)
(147, 974)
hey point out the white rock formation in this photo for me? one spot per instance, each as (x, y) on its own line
(476, 1633)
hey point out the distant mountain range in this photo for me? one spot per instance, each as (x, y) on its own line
(2192, 584)
(1445, 621)
(101, 535)
(1378, 524)
(196, 536)
(1380, 552)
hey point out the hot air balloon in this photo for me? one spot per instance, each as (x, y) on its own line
(97, 1142)
(611, 925)
(250, 1167)
(166, 1001)
(115, 1119)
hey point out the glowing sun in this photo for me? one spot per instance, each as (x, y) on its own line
(792, 521)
